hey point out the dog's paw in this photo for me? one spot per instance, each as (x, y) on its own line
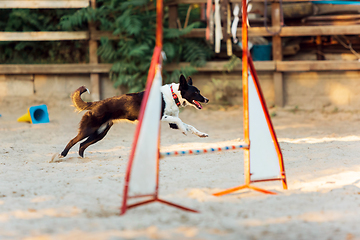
(56, 158)
(203, 135)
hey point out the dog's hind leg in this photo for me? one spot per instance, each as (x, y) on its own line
(88, 125)
(73, 141)
(95, 137)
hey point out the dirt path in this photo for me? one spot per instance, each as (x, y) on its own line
(80, 198)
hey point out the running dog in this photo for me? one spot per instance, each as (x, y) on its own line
(101, 115)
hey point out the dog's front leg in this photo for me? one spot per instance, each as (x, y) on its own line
(185, 128)
(175, 120)
(193, 130)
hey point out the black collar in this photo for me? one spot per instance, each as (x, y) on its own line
(175, 97)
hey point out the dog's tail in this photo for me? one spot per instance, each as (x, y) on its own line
(80, 104)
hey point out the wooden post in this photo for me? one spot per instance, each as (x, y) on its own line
(277, 54)
(319, 49)
(93, 58)
(173, 16)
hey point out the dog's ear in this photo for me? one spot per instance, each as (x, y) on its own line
(189, 81)
(183, 83)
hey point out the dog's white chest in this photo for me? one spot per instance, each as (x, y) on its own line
(171, 110)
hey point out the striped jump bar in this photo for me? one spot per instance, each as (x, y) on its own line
(202, 151)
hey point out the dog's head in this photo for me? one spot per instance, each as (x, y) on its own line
(190, 94)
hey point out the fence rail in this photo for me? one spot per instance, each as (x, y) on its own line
(43, 36)
(44, 4)
(214, 66)
(195, 33)
(54, 68)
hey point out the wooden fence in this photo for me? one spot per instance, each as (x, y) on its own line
(277, 65)
(91, 35)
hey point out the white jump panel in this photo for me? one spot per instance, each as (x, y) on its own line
(143, 176)
(264, 161)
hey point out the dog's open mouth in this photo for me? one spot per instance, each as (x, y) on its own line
(197, 104)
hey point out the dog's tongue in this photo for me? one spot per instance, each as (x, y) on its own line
(197, 104)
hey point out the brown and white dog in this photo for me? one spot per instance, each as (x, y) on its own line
(101, 115)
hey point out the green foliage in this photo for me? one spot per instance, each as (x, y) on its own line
(38, 52)
(135, 24)
(232, 63)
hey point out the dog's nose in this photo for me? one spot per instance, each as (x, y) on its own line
(206, 100)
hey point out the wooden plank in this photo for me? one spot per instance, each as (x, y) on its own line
(105, 68)
(95, 86)
(264, 65)
(282, 66)
(43, 36)
(44, 3)
(253, 32)
(290, 31)
(320, 30)
(277, 48)
(276, 40)
(175, 2)
(196, 33)
(20, 77)
(326, 65)
(97, 35)
(261, 31)
(332, 17)
(273, 1)
(279, 89)
(93, 59)
(54, 68)
(219, 66)
(277, 55)
(173, 16)
(323, 9)
(294, 31)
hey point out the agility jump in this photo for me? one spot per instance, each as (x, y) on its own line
(263, 160)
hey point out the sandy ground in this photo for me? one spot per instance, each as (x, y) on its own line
(79, 198)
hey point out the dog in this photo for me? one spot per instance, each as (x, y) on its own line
(101, 115)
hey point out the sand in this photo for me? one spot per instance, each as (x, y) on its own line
(79, 198)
